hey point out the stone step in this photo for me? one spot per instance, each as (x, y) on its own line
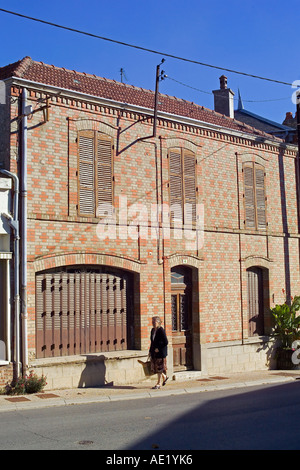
(187, 375)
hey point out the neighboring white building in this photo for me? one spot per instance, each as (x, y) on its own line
(5, 257)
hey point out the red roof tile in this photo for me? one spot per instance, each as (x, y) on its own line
(101, 87)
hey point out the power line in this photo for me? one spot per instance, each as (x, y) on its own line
(143, 48)
(235, 99)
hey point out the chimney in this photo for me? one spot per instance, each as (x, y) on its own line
(290, 121)
(223, 99)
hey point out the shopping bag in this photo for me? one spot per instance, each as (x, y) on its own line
(146, 367)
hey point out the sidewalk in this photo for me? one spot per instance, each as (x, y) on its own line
(144, 390)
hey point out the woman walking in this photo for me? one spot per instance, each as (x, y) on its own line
(158, 351)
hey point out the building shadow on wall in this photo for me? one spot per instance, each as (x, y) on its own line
(270, 353)
(285, 227)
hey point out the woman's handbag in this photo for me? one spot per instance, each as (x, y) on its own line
(146, 367)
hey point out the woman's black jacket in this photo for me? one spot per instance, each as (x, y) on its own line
(160, 342)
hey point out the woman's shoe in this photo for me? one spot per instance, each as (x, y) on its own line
(165, 381)
(156, 387)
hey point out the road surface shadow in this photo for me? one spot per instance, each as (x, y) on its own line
(262, 419)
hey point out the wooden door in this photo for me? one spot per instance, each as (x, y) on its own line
(181, 299)
(255, 301)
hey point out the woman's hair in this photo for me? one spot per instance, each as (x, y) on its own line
(158, 319)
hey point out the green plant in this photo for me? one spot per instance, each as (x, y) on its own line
(34, 383)
(28, 384)
(287, 323)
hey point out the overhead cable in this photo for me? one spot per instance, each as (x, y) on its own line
(220, 97)
(143, 48)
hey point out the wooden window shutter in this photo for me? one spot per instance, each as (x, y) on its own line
(254, 196)
(249, 200)
(86, 177)
(104, 171)
(95, 174)
(176, 191)
(260, 196)
(189, 166)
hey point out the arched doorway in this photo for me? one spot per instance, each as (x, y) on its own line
(257, 280)
(181, 305)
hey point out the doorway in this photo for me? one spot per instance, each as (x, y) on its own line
(181, 307)
(255, 301)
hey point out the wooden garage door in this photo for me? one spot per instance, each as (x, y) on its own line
(82, 311)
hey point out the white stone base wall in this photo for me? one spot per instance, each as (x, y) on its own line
(220, 358)
(121, 368)
(93, 370)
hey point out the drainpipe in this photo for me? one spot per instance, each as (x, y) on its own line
(298, 155)
(14, 223)
(23, 202)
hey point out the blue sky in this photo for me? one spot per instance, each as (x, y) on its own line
(255, 37)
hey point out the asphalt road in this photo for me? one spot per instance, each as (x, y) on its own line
(265, 417)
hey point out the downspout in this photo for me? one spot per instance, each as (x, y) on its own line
(14, 224)
(298, 156)
(8, 316)
(162, 259)
(23, 202)
(298, 167)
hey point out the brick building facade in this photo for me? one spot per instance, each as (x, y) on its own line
(100, 256)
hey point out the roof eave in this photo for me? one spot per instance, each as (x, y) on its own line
(148, 111)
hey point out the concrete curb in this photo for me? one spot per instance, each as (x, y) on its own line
(34, 402)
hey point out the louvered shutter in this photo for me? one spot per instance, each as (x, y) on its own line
(86, 173)
(81, 312)
(260, 196)
(189, 163)
(249, 199)
(104, 173)
(176, 192)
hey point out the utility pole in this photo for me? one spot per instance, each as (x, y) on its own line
(159, 75)
(122, 72)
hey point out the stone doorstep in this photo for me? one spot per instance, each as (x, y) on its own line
(184, 375)
(195, 375)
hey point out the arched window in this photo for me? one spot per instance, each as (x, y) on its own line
(95, 172)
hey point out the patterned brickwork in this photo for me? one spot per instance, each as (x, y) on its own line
(6, 375)
(57, 236)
